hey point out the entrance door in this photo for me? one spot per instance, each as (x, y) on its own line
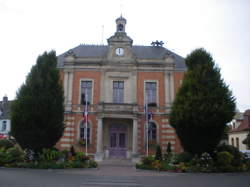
(117, 141)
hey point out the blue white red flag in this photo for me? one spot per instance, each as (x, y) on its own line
(150, 116)
(85, 112)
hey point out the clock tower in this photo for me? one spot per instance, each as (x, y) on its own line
(120, 45)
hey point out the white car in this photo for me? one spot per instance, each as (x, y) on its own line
(247, 153)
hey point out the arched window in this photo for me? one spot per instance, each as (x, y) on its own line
(152, 131)
(83, 131)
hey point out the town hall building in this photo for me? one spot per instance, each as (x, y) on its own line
(116, 82)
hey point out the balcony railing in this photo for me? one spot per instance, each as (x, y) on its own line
(117, 108)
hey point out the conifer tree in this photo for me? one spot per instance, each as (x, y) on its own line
(158, 154)
(37, 113)
(203, 105)
(169, 149)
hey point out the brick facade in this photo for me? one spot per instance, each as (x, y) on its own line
(118, 129)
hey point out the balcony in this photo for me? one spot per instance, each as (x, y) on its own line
(118, 108)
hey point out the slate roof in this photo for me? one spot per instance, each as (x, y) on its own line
(245, 124)
(140, 52)
(5, 109)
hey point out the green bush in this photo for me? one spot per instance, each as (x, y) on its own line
(170, 158)
(238, 159)
(148, 160)
(184, 157)
(26, 165)
(143, 166)
(158, 154)
(78, 164)
(65, 154)
(92, 164)
(6, 144)
(80, 156)
(16, 154)
(10, 156)
(157, 165)
(224, 160)
(248, 165)
(48, 155)
(228, 148)
(166, 166)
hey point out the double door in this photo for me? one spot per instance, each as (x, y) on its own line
(117, 141)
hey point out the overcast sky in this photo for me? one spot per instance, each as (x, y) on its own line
(30, 27)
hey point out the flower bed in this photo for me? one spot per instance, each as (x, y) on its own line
(224, 159)
(13, 156)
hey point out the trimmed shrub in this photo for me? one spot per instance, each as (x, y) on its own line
(224, 160)
(148, 160)
(6, 144)
(158, 154)
(10, 156)
(228, 148)
(169, 150)
(184, 157)
(238, 158)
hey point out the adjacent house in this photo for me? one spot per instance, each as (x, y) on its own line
(127, 91)
(240, 127)
(4, 117)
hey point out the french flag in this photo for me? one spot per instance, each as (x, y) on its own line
(85, 112)
(150, 116)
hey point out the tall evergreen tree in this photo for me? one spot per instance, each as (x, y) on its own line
(37, 113)
(203, 105)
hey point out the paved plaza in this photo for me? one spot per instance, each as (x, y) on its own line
(118, 173)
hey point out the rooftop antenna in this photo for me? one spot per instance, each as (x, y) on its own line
(121, 7)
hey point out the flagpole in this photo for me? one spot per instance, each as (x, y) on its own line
(86, 122)
(146, 113)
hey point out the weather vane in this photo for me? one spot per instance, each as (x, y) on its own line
(157, 43)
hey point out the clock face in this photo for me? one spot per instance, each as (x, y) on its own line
(119, 51)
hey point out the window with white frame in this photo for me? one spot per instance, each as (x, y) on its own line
(86, 91)
(83, 131)
(151, 93)
(4, 126)
(118, 92)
